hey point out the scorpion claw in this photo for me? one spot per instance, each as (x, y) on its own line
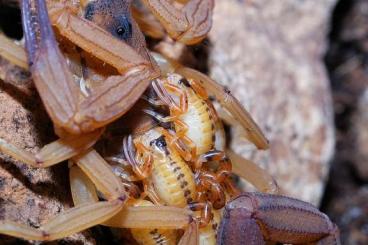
(254, 218)
(189, 24)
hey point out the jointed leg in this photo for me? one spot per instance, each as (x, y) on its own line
(164, 217)
(163, 88)
(210, 189)
(205, 209)
(145, 159)
(183, 98)
(252, 173)
(150, 192)
(147, 23)
(183, 144)
(12, 52)
(187, 150)
(82, 188)
(224, 168)
(181, 129)
(138, 156)
(72, 221)
(54, 152)
(217, 182)
(190, 24)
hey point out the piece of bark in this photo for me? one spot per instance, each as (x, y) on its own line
(269, 54)
(29, 195)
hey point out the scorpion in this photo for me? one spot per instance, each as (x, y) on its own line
(173, 182)
(107, 31)
(254, 208)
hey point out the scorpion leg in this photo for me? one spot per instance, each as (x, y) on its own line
(83, 216)
(150, 191)
(224, 168)
(254, 218)
(13, 52)
(187, 151)
(222, 174)
(53, 153)
(163, 88)
(148, 23)
(82, 188)
(190, 24)
(205, 209)
(252, 173)
(138, 156)
(151, 217)
(207, 184)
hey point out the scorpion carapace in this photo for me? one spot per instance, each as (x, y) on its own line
(116, 18)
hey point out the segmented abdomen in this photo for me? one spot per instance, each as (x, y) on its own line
(173, 180)
(200, 122)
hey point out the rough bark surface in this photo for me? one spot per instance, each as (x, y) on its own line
(269, 53)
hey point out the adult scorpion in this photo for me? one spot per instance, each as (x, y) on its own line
(107, 31)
